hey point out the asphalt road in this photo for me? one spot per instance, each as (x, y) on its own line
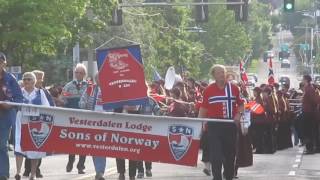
(292, 72)
(288, 164)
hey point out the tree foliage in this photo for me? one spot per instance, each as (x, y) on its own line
(41, 34)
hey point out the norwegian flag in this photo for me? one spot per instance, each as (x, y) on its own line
(243, 74)
(271, 75)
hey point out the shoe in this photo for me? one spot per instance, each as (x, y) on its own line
(26, 174)
(81, 171)
(206, 172)
(69, 167)
(99, 177)
(17, 177)
(148, 173)
(121, 176)
(32, 178)
(3, 178)
(39, 175)
(140, 175)
(132, 178)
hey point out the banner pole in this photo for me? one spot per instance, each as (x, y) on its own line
(120, 115)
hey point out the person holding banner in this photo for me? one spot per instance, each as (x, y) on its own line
(151, 108)
(221, 100)
(91, 100)
(32, 95)
(72, 92)
(39, 84)
(9, 91)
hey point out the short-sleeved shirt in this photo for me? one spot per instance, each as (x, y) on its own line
(221, 103)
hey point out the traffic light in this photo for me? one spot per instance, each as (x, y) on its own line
(288, 5)
(117, 16)
(280, 55)
(241, 11)
(201, 11)
(231, 6)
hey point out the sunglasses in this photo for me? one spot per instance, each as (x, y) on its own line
(27, 79)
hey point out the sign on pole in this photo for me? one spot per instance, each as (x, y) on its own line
(121, 76)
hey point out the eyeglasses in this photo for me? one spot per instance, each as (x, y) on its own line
(78, 72)
(27, 79)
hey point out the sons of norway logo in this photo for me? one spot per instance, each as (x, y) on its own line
(180, 138)
(40, 128)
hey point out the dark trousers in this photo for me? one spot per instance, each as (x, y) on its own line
(121, 167)
(82, 160)
(204, 143)
(222, 144)
(140, 168)
(309, 130)
(27, 166)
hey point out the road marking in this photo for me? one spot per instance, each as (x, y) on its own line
(292, 173)
(295, 165)
(109, 172)
(298, 156)
(298, 160)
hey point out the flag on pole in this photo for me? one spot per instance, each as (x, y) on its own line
(271, 75)
(156, 75)
(243, 74)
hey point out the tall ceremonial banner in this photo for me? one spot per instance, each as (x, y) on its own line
(121, 76)
(136, 137)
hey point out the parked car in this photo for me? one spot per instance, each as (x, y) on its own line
(255, 76)
(284, 79)
(285, 63)
(251, 81)
(316, 79)
(267, 55)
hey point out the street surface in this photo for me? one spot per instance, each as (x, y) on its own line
(288, 164)
(292, 72)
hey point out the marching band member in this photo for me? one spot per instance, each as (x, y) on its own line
(258, 121)
(9, 91)
(222, 100)
(32, 95)
(269, 126)
(72, 92)
(284, 133)
(309, 106)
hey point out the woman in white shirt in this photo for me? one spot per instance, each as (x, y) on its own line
(32, 95)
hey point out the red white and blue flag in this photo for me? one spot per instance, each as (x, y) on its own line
(271, 74)
(243, 74)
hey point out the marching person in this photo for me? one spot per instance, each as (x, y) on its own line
(9, 91)
(91, 100)
(221, 100)
(39, 84)
(121, 162)
(150, 108)
(32, 95)
(72, 92)
(309, 106)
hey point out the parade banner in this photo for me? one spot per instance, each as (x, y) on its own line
(136, 137)
(121, 76)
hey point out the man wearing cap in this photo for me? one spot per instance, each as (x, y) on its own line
(221, 100)
(11, 92)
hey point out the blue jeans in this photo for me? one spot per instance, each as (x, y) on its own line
(6, 119)
(99, 164)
